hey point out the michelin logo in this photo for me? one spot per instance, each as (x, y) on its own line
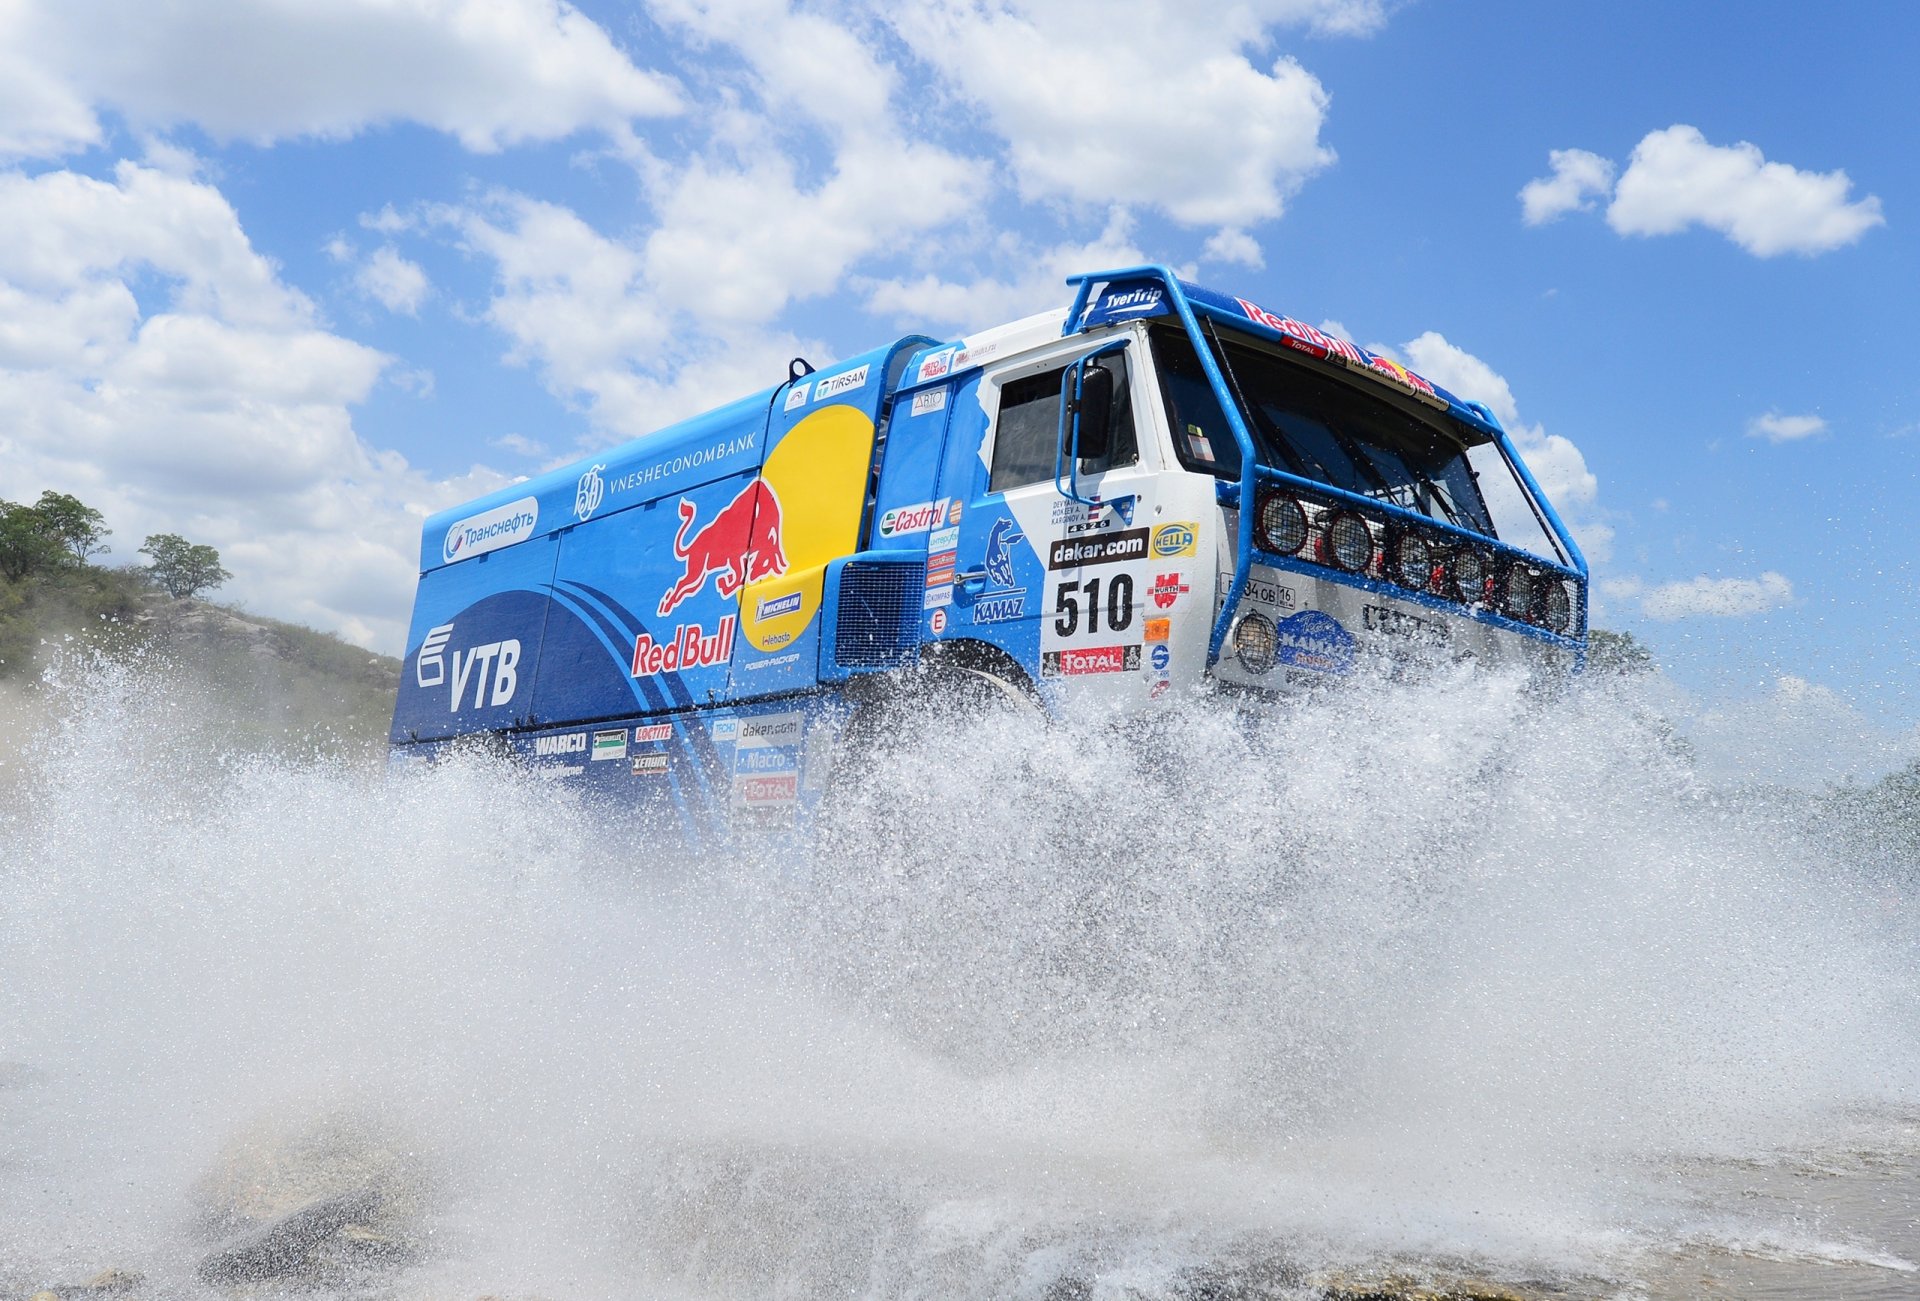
(491, 530)
(780, 605)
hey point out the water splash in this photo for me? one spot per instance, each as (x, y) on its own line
(1453, 975)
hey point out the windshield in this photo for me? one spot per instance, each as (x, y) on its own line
(1318, 428)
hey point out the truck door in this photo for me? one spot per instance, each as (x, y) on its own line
(1058, 584)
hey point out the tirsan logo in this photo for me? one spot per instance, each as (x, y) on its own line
(1100, 550)
(489, 531)
(589, 493)
(780, 605)
(570, 743)
(844, 382)
(692, 647)
(1171, 540)
(917, 518)
(741, 544)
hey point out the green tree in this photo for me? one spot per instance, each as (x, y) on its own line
(183, 567)
(76, 526)
(1617, 652)
(28, 544)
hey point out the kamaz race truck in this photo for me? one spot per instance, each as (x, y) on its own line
(1158, 488)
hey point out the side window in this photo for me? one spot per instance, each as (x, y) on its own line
(1025, 438)
(1025, 441)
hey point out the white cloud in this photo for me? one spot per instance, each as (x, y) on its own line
(490, 72)
(1161, 112)
(222, 413)
(1675, 179)
(392, 281)
(1720, 598)
(1233, 246)
(1578, 178)
(1776, 428)
(1557, 464)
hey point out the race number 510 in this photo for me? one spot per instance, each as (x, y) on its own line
(1118, 605)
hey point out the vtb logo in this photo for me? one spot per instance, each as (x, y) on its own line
(741, 544)
(472, 665)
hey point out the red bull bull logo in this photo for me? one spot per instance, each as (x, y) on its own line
(741, 544)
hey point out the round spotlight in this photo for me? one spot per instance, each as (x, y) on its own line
(1517, 601)
(1556, 610)
(1283, 525)
(1349, 541)
(1411, 562)
(1469, 569)
(1255, 642)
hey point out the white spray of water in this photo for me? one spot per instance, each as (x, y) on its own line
(1446, 973)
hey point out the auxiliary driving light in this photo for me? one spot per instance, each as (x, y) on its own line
(1349, 541)
(1283, 525)
(1556, 610)
(1518, 603)
(1470, 575)
(1411, 561)
(1255, 642)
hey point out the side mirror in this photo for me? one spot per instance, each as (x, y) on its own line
(1092, 409)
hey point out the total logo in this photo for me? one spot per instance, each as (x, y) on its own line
(917, 518)
(589, 493)
(692, 647)
(741, 544)
(493, 669)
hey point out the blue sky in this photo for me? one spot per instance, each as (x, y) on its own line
(286, 276)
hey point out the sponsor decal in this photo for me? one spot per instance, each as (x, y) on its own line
(1001, 607)
(782, 604)
(1161, 657)
(685, 461)
(651, 765)
(1312, 640)
(797, 395)
(953, 511)
(917, 518)
(1160, 688)
(589, 493)
(610, 745)
(1170, 540)
(939, 622)
(766, 758)
(845, 382)
(1099, 515)
(775, 640)
(1126, 304)
(1159, 630)
(490, 530)
(502, 658)
(1071, 553)
(764, 792)
(775, 662)
(937, 597)
(1199, 444)
(725, 729)
(1090, 659)
(945, 539)
(433, 657)
(770, 729)
(1167, 589)
(741, 543)
(1398, 623)
(1305, 338)
(998, 562)
(691, 647)
(940, 569)
(930, 401)
(648, 732)
(974, 356)
(935, 366)
(568, 743)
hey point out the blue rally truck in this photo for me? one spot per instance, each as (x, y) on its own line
(1158, 487)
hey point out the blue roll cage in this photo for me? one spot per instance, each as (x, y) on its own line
(1242, 495)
